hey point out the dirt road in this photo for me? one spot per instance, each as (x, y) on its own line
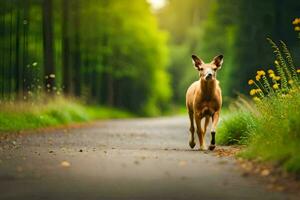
(121, 159)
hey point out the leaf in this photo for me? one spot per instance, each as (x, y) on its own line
(65, 164)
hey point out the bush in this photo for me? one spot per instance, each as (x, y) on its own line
(235, 128)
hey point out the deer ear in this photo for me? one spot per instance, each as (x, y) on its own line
(197, 62)
(218, 61)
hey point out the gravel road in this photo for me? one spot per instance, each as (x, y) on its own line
(121, 159)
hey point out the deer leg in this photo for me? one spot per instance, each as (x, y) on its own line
(215, 121)
(192, 130)
(205, 126)
(200, 132)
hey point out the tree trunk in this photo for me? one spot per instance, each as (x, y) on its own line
(66, 48)
(18, 75)
(110, 90)
(77, 53)
(49, 69)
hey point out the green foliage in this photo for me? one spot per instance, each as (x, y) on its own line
(104, 52)
(270, 129)
(24, 116)
(276, 136)
(235, 28)
(235, 127)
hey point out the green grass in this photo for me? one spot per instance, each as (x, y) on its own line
(271, 131)
(23, 116)
(276, 137)
(235, 127)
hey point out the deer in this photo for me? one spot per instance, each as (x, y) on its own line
(204, 100)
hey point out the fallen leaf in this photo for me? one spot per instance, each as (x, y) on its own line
(265, 172)
(65, 164)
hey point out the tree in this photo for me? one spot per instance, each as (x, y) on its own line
(48, 50)
(67, 81)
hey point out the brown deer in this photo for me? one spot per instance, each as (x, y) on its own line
(204, 100)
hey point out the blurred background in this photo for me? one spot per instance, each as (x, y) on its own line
(135, 54)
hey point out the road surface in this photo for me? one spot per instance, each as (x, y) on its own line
(132, 159)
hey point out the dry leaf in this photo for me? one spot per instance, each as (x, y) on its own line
(65, 164)
(265, 172)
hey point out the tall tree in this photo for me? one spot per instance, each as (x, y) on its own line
(77, 49)
(66, 47)
(48, 50)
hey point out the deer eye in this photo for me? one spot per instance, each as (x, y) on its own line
(215, 69)
(201, 69)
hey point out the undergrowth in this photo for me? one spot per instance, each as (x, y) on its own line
(19, 116)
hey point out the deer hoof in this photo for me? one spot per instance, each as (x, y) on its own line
(212, 147)
(192, 144)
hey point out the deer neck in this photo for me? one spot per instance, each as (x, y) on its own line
(208, 89)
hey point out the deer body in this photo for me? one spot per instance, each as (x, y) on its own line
(204, 100)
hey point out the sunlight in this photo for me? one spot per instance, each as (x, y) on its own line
(157, 4)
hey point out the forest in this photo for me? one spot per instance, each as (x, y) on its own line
(127, 55)
(101, 52)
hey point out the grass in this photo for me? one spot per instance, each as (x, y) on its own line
(270, 128)
(23, 116)
(235, 127)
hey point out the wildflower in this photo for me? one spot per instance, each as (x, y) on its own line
(296, 21)
(52, 75)
(250, 82)
(272, 76)
(276, 62)
(256, 99)
(270, 71)
(252, 92)
(276, 86)
(291, 82)
(277, 78)
(261, 72)
(258, 90)
(297, 28)
(298, 70)
(257, 77)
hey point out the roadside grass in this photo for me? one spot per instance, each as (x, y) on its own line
(235, 127)
(15, 116)
(276, 136)
(271, 133)
(270, 128)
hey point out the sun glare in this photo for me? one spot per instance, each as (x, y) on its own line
(157, 4)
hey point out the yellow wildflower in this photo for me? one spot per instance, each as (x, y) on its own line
(276, 62)
(261, 72)
(252, 92)
(250, 82)
(276, 86)
(297, 28)
(291, 82)
(277, 78)
(298, 70)
(272, 76)
(270, 71)
(257, 77)
(256, 99)
(258, 90)
(296, 21)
